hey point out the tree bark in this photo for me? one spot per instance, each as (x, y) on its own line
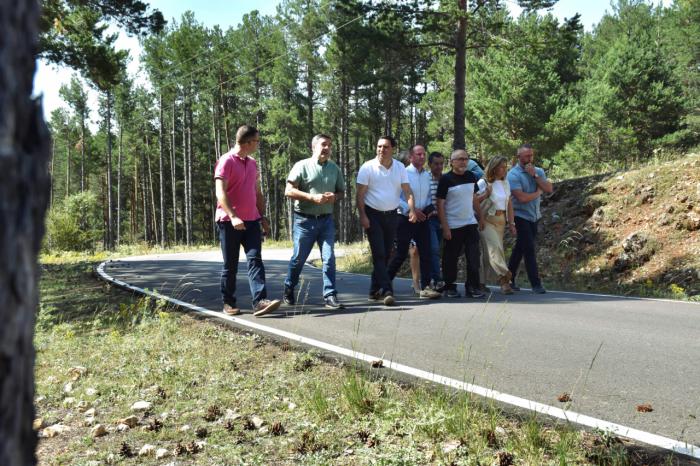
(460, 77)
(120, 157)
(173, 174)
(161, 170)
(110, 208)
(24, 190)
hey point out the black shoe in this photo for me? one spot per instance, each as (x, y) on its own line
(289, 297)
(539, 290)
(474, 293)
(388, 298)
(374, 296)
(514, 287)
(331, 302)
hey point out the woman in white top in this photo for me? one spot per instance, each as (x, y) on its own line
(494, 194)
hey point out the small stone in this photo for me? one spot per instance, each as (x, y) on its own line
(77, 372)
(39, 424)
(90, 412)
(91, 392)
(67, 388)
(130, 421)
(162, 453)
(147, 450)
(141, 406)
(69, 402)
(39, 399)
(231, 415)
(291, 406)
(185, 428)
(450, 446)
(500, 430)
(82, 406)
(89, 421)
(51, 379)
(98, 431)
(257, 421)
(54, 430)
(122, 427)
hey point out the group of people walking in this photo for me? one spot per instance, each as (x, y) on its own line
(462, 212)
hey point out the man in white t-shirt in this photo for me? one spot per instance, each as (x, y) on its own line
(380, 182)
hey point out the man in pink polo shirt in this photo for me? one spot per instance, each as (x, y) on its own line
(240, 202)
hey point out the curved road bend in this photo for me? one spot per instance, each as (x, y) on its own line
(610, 353)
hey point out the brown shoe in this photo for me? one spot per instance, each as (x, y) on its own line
(506, 289)
(265, 305)
(230, 310)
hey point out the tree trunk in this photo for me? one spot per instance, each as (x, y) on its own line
(190, 235)
(67, 165)
(82, 152)
(110, 208)
(161, 169)
(24, 190)
(120, 157)
(154, 213)
(460, 75)
(310, 102)
(173, 174)
(185, 210)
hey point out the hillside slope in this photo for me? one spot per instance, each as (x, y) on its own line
(634, 232)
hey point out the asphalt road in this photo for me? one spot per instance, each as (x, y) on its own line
(609, 353)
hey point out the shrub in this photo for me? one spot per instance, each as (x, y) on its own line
(75, 224)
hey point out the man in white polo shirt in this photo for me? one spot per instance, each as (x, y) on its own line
(380, 182)
(419, 179)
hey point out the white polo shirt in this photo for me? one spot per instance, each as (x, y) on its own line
(383, 184)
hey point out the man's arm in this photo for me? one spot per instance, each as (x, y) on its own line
(220, 185)
(524, 197)
(476, 205)
(446, 233)
(544, 184)
(410, 201)
(260, 204)
(361, 192)
(292, 191)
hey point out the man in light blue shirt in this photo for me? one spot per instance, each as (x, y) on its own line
(419, 231)
(527, 183)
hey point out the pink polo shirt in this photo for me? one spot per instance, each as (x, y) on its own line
(241, 175)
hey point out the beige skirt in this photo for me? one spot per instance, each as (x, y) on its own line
(493, 261)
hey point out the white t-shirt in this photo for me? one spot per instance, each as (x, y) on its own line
(500, 192)
(383, 184)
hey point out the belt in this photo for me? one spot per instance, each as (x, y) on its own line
(382, 212)
(500, 212)
(301, 214)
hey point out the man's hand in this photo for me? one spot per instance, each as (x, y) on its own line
(265, 226)
(481, 224)
(512, 229)
(412, 216)
(447, 233)
(328, 197)
(530, 169)
(420, 216)
(364, 222)
(318, 199)
(237, 223)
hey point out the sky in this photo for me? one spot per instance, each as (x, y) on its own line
(228, 13)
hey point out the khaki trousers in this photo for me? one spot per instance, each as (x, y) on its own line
(493, 262)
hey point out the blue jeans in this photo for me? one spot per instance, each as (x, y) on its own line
(420, 233)
(380, 234)
(525, 247)
(231, 241)
(435, 243)
(307, 231)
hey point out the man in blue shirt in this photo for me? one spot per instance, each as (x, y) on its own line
(527, 183)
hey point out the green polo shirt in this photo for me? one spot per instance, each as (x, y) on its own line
(315, 178)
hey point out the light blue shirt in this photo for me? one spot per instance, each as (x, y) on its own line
(474, 167)
(518, 178)
(420, 185)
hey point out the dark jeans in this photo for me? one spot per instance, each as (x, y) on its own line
(306, 232)
(420, 233)
(464, 239)
(435, 243)
(381, 234)
(231, 241)
(525, 246)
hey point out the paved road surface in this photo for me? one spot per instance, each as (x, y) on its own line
(610, 353)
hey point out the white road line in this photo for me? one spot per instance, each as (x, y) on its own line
(571, 416)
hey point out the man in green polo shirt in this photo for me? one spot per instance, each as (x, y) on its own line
(314, 184)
